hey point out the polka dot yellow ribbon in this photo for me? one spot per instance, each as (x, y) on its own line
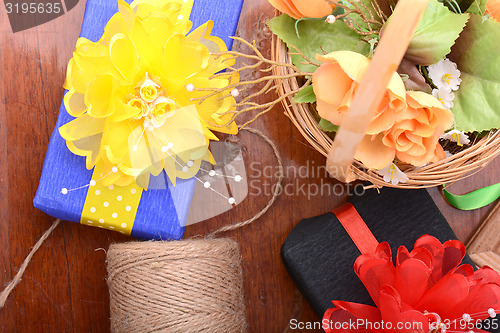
(110, 207)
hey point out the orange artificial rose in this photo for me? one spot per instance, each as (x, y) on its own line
(415, 135)
(335, 83)
(414, 138)
(407, 125)
(493, 8)
(303, 8)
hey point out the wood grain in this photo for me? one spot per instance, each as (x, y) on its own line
(64, 288)
(484, 245)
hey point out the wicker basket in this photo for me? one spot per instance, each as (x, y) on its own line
(460, 165)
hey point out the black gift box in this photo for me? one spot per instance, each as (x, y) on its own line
(320, 255)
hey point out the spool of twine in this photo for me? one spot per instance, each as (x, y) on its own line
(180, 286)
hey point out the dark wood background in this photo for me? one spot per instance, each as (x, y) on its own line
(64, 288)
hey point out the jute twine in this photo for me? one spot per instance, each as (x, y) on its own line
(183, 286)
(15, 281)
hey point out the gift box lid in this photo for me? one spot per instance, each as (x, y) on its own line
(319, 254)
(161, 213)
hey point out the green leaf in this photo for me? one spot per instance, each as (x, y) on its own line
(316, 37)
(478, 7)
(306, 95)
(477, 106)
(327, 126)
(435, 35)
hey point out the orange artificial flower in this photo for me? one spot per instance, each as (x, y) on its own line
(303, 8)
(407, 125)
(414, 137)
(416, 133)
(493, 8)
(335, 83)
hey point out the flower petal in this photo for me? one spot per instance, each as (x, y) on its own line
(427, 147)
(81, 127)
(376, 273)
(454, 252)
(352, 63)
(124, 57)
(313, 8)
(193, 56)
(99, 96)
(420, 99)
(347, 312)
(439, 299)
(285, 6)
(88, 147)
(493, 8)
(75, 103)
(373, 153)
(395, 312)
(383, 121)
(419, 253)
(480, 299)
(324, 78)
(118, 140)
(411, 280)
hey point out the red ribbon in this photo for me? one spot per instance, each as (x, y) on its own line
(357, 229)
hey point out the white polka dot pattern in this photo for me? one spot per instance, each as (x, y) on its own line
(111, 207)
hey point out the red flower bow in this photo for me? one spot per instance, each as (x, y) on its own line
(426, 291)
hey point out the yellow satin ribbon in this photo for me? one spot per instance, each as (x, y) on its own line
(110, 207)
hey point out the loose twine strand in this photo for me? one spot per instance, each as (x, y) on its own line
(276, 192)
(17, 278)
(15, 281)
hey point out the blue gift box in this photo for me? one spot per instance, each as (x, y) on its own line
(161, 213)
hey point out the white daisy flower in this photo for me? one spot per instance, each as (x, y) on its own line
(445, 96)
(457, 136)
(445, 74)
(393, 175)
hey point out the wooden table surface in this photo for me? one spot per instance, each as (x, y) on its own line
(64, 288)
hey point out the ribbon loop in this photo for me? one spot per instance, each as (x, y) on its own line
(475, 199)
